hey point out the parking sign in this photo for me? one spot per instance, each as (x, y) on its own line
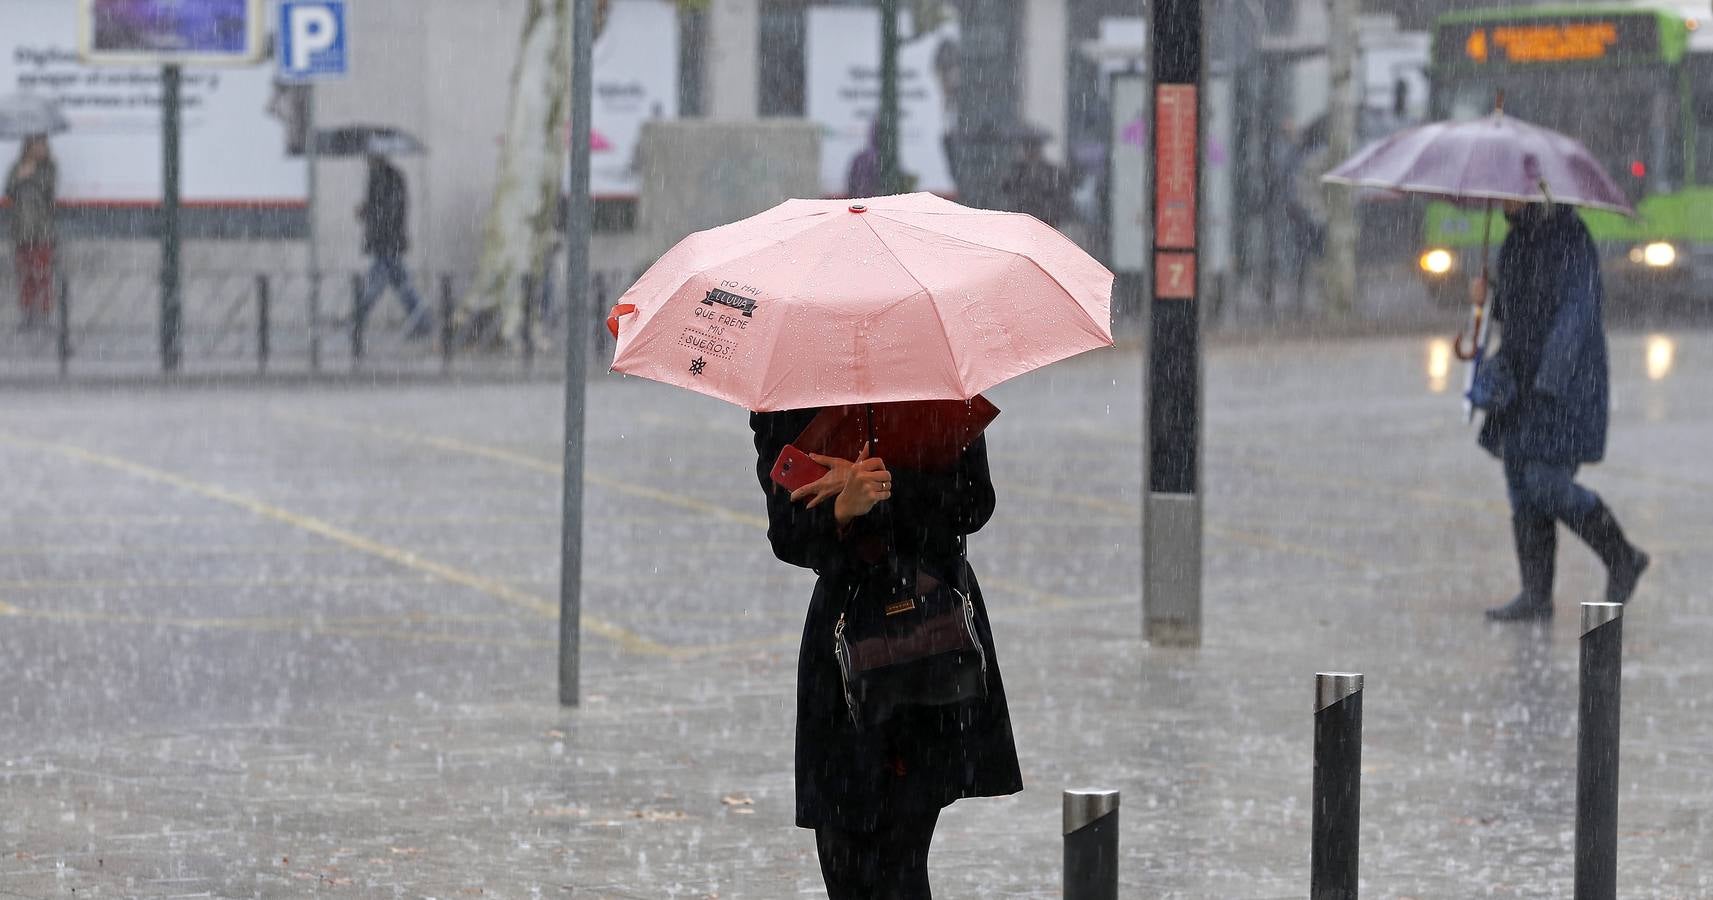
(312, 40)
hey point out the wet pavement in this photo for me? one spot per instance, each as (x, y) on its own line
(272, 642)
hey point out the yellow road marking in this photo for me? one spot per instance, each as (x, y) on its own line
(546, 466)
(496, 589)
(354, 627)
(1042, 600)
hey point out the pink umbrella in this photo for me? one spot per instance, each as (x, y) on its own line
(834, 302)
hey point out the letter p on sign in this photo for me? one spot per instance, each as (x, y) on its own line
(312, 39)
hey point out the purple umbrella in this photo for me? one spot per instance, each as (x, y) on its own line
(1495, 158)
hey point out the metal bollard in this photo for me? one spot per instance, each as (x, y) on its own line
(62, 317)
(528, 285)
(1337, 785)
(359, 320)
(315, 322)
(1601, 670)
(1091, 845)
(263, 316)
(446, 335)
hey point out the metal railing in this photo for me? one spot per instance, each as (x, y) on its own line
(264, 322)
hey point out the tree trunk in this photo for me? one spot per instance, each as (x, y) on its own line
(517, 236)
(1340, 270)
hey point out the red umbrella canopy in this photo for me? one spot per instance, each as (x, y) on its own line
(1497, 157)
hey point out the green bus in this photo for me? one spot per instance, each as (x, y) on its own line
(1635, 85)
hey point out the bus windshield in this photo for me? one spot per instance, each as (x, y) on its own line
(1626, 117)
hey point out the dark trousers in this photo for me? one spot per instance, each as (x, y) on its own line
(1544, 490)
(389, 270)
(889, 864)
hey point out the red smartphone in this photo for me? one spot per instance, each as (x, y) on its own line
(794, 469)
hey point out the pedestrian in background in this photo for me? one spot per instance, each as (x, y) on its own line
(384, 212)
(1546, 396)
(873, 794)
(30, 187)
(1035, 185)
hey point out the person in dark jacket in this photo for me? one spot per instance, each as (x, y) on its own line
(30, 187)
(1545, 392)
(873, 795)
(1035, 185)
(384, 212)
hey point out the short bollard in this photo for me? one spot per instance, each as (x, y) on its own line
(359, 320)
(263, 323)
(62, 319)
(1091, 845)
(315, 322)
(1597, 751)
(528, 287)
(446, 323)
(1337, 785)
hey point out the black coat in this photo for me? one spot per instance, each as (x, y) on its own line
(849, 778)
(385, 208)
(1547, 300)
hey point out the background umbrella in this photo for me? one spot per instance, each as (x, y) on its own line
(1496, 158)
(361, 140)
(24, 115)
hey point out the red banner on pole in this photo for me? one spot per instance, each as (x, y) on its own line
(1175, 149)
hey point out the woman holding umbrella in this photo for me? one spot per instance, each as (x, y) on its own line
(894, 300)
(30, 187)
(874, 794)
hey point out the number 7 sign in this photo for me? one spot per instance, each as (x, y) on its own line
(1175, 276)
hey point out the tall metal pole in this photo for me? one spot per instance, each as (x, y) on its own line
(578, 321)
(1601, 666)
(312, 150)
(1337, 785)
(1172, 513)
(172, 310)
(887, 123)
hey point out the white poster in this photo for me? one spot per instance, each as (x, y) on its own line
(636, 79)
(234, 150)
(842, 53)
(1129, 189)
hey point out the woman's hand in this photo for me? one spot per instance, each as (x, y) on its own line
(829, 485)
(868, 484)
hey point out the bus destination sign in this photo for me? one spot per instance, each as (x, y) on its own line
(1558, 40)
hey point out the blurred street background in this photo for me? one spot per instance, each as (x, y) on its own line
(280, 536)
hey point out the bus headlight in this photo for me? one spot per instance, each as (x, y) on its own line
(1658, 255)
(1437, 262)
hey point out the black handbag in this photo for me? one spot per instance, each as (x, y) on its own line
(907, 637)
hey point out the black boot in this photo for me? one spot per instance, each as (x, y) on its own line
(1536, 539)
(1624, 562)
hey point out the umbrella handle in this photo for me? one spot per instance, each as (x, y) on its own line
(618, 312)
(1457, 346)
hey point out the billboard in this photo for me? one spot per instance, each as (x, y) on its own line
(635, 80)
(842, 52)
(235, 137)
(154, 32)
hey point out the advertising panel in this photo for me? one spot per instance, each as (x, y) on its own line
(235, 149)
(842, 56)
(202, 32)
(636, 79)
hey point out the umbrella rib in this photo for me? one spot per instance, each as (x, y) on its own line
(933, 302)
(1050, 276)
